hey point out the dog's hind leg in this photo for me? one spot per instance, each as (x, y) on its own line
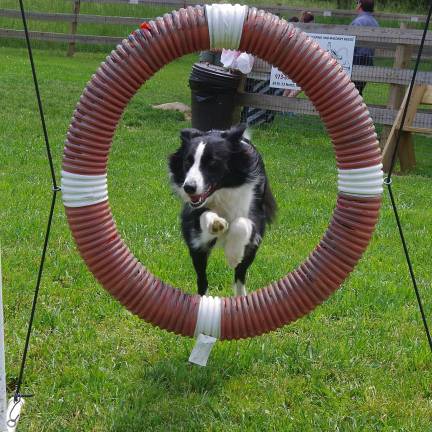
(240, 271)
(199, 259)
(239, 236)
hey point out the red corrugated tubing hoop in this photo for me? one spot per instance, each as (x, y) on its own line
(89, 140)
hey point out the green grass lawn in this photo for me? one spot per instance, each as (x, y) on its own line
(360, 362)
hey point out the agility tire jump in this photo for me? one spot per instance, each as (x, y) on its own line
(89, 139)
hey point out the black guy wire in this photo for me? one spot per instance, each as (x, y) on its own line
(17, 394)
(39, 101)
(55, 189)
(410, 267)
(388, 182)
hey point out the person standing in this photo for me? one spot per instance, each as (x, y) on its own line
(362, 55)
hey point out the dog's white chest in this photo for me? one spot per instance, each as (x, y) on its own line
(232, 203)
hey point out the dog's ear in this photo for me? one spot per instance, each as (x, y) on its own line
(175, 164)
(234, 134)
(187, 134)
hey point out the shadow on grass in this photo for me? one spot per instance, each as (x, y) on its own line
(172, 394)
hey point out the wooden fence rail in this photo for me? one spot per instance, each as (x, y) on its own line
(376, 37)
(380, 114)
(68, 18)
(61, 37)
(280, 9)
(375, 74)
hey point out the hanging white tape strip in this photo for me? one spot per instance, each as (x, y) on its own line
(201, 350)
(83, 190)
(209, 317)
(361, 181)
(225, 23)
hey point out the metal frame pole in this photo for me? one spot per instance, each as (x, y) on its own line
(3, 395)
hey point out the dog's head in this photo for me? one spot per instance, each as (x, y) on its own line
(207, 162)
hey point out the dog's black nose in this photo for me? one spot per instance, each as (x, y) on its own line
(190, 188)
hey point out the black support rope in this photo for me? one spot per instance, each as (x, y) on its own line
(55, 189)
(388, 181)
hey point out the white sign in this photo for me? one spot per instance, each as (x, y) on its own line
(340, 47)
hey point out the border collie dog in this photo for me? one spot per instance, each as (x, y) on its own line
(220, 176)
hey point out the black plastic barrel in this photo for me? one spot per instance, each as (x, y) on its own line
(213, 91)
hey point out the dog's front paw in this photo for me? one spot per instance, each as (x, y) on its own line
(218, 226)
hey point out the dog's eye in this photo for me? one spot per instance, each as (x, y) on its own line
(188, 162)
(214, 164)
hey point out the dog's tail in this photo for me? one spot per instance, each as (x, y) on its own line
(270, 206)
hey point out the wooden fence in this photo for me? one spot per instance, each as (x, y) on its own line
(398, 43)
(380, 113)
(279, 9)
(385, 39)
(403, 43)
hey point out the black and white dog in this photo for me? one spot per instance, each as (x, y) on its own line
(228, 202)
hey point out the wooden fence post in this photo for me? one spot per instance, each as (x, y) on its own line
(74, 26)
(397, 92)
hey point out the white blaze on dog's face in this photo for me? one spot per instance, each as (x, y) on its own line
(196, 187)
(194, 181)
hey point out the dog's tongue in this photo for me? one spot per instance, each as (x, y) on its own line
(196, 199)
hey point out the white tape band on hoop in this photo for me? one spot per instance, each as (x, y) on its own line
(361, 181)
(225, 23)
(209, 317)
(83, 190)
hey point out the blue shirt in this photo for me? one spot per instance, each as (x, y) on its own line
(364, 19)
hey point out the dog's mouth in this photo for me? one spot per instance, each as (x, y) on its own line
(198, 200)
